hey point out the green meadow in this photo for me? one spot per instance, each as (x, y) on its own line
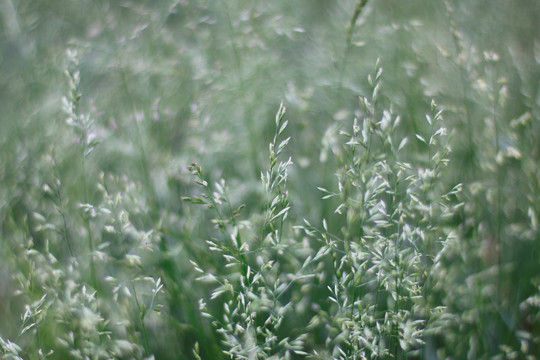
(314, 179)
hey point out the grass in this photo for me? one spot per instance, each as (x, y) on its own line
(214, 180)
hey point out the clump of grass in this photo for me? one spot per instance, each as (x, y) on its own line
(81, 299)
(383, 264)
(383, 268)
(262, 263)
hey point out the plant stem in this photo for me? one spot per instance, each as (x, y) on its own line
(248, 113)
(139, 140)
(142, 314)
(88, 225)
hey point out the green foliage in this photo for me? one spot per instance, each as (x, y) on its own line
(390, 218)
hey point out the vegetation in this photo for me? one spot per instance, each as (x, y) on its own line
(394, 213)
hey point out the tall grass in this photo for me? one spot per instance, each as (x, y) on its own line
(158, 201)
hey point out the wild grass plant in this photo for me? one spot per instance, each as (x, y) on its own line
(385, 260)
(264, 259)
(390, 218)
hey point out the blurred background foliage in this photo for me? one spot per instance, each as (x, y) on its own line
(167, 83)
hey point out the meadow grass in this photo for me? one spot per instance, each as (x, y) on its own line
(269, 180)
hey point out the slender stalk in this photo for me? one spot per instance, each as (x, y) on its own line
(59, 205)
(142, 314)
(464, 81)
(350, 30)
(139, 140)
(499, 179)
(88, 226)
(248, 113)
